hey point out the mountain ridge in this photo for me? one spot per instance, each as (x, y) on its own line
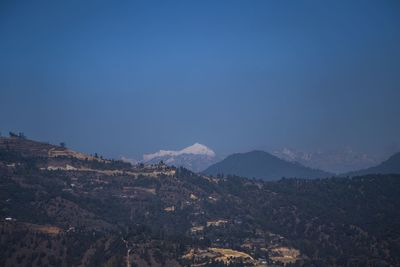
(389, 166)
(262, 165)
(339, 160)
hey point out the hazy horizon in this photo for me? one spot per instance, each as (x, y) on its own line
(134, 78)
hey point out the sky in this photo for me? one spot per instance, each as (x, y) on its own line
(132, 77)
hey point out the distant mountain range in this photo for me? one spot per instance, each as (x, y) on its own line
(340, 160)
(263, 165)
(273, 166)
(196, 157)
(389, 166)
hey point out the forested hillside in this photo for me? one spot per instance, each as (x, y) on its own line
(67, 211)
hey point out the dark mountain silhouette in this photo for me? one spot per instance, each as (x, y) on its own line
(389, 166)
(262, 165)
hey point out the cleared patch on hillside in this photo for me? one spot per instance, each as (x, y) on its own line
(285, 254)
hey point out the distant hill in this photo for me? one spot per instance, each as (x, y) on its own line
(262, 165)
(389, 166)
(31, 148)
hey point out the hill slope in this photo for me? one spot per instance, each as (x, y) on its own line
(391, 165)
(262, 165)
(105, 213)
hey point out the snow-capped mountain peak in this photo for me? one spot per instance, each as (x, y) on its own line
(195, 149)
(198, 149)
(196, 157)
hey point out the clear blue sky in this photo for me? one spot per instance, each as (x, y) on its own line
(129, 77)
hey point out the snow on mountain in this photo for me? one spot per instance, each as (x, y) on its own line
(196, 157)
(195, 149)
(337, 161)
(292, 155)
